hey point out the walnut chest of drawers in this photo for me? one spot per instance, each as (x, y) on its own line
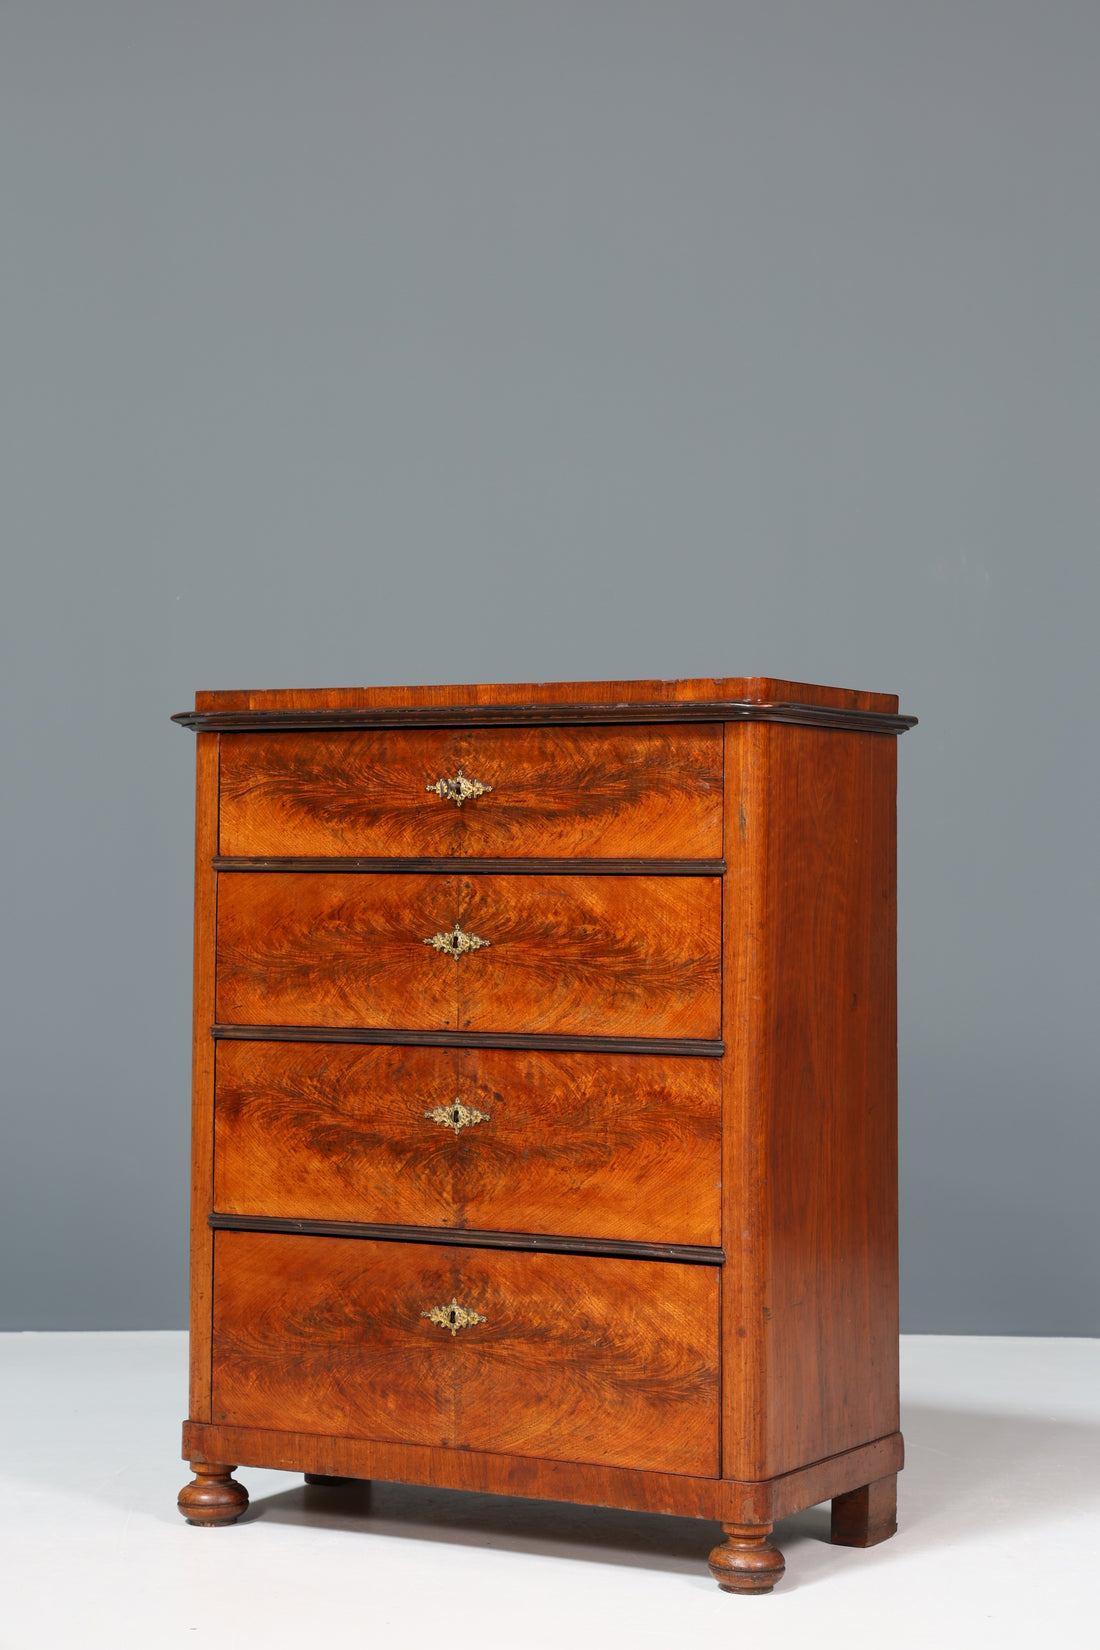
(545, 1099)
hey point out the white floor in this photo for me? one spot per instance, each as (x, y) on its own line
(999, 1542)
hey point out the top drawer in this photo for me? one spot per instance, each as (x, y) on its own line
(548, 793)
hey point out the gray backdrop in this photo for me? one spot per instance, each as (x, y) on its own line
(403, 342)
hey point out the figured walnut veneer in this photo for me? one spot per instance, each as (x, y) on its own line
(598, 1145)
(575, 1357)
(604, 1209)
(632, 793)
(589, 955)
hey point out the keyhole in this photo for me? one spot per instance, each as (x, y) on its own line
(451, 1315)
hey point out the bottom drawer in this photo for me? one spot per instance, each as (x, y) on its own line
(574, 1357)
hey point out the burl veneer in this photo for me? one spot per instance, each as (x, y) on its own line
(545, 1099)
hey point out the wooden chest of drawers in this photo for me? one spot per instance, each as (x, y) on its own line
(545, 1099)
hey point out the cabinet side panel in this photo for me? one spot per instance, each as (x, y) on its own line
(829, 1093)
(745, 1079)
(202, 1072)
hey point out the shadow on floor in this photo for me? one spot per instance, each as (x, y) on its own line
(969, 1473)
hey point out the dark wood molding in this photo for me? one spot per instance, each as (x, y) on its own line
(698, 1046)
(690, 1254)
(486, 716)
(487, 867)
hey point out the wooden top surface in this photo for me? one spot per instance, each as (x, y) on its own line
(527, 704)
(689, 690)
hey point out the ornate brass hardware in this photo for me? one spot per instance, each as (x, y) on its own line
(453, 1317)
(459, 789)
(457, 1116)
(456, 943)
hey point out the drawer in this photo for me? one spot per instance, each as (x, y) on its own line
(603, 792)
(571, 1357)
(584, 1145)
(581, 955)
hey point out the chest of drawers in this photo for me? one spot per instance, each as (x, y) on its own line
(544, 1110)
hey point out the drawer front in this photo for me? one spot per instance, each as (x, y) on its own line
(585, 1145)
(585, 955)
(635, 792)
(570, 1357)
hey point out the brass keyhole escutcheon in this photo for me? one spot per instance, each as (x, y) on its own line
(456, 943)
(456, 1116)
(459, 789)
(453, 1317)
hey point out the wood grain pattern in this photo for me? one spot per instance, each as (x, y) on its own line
(688, 690)
(202, 1071)
(556, 792)
(325, 1334)
(725, 1500)
(336, 950)
(610, 1361)
(811, 1098)
(612, 955)
(598, 1145)
(745, 1088)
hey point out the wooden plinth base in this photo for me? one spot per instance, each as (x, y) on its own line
(213, 1495)
(860, 1482)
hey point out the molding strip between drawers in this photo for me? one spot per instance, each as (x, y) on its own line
(695, 1046)
(690, 1254)
(485, 867)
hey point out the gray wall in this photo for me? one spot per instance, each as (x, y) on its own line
(402, 342)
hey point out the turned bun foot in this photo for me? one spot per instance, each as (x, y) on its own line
(213, 1495)
(746, 1562)
(324, 1478)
